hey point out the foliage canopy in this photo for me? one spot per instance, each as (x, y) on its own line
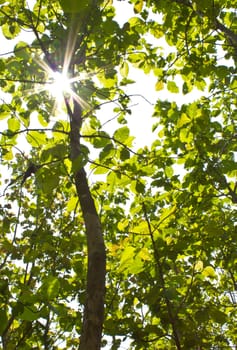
(167, 210)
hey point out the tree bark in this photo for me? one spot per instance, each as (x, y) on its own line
(95, 290)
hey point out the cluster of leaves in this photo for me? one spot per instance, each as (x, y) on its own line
(167, 210)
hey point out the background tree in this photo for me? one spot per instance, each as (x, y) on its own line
(167, 211)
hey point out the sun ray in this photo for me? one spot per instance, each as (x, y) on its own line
(61, 83)
(70, 48)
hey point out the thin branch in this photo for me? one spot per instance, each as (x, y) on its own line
(10, 133)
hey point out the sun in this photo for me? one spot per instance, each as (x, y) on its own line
(60, 86)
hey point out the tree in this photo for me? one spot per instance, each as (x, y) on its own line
(166, 213)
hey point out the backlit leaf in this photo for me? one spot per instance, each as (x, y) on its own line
(36, 138)
(172, 87)
(209, 272)
(159, 85)
(184, 119)
(124, 69)
(138, 6)
(13, 124)
(122, 134)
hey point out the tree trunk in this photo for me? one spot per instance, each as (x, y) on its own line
(95, 290)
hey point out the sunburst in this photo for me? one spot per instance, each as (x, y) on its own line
(60, 83)
(60, 86)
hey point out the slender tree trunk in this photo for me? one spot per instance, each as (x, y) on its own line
(95, 290)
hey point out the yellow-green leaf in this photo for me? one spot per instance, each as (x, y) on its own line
(169, 171)
(127, 255)
(198, 266)
(184, 119)
(124, 69)
(13, 124)
(172, 87)
(36, 138)
(138, 6)
(159, 85)
(209, 272)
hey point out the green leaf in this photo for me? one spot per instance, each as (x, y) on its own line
(111, 180)
(136, 266)
(124, 69)
(166, 213)
(186, 88)
(156, 30)
(107, 80)
(101, 139)
(159, 85)
(2, 65)
(47, 179)
(4, 115)
(184, 119)
(7, 155)
(121, 134)
(202, 315)
(124, 154)
(108, 152)
(58, 151)
(53, 288)
(169, 171)
(10, 31)
(138, 6)
(123, 224)
(30, 314)
(208, 271)
(126, 257)
(79, 162)
(13, 124)
(99, 170)
(50, 287)
(140, 187)
(172, 87)
(21, 50)
(36, 138)
(72, 203)
(185, 135)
